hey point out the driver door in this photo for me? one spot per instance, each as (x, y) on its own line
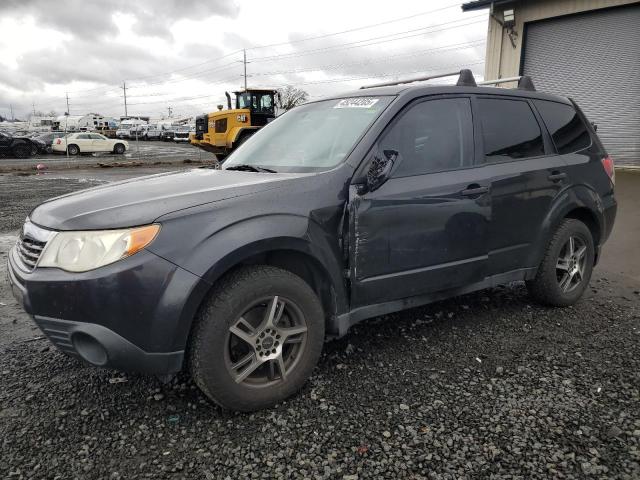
(425, 228)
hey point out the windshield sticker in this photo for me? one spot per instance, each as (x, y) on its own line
(357, 102)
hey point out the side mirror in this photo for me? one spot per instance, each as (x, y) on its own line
(595, 126)
(380, 169)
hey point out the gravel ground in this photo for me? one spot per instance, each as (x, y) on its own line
(487, 385)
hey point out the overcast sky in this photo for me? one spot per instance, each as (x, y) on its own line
(184, 54)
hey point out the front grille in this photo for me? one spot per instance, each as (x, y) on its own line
(31, 243)
(29, 251)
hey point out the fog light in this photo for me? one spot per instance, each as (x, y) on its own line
(89, 349)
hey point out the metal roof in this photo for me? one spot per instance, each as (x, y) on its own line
(482, 4)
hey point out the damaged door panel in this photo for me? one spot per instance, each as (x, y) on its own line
(418, 235)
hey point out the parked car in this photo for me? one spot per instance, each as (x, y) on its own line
(152, 133)
(85, 142)
(45, 141)
(339, 210)
(17, 146)
(181, 134)
(167, 134)
(123, 131)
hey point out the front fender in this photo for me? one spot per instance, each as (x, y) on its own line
(571, 198)
(220, 250)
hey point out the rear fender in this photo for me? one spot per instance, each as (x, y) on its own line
(236, 133)
(579, 196)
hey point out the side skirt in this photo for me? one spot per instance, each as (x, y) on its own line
(341, 324)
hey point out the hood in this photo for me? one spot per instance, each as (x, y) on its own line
(140, 201)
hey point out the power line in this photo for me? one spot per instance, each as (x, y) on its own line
(354, 43)
(351, 30)
(445, 48)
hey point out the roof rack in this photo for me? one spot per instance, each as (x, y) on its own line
(465, 79)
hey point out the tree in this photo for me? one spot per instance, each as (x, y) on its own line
(289, 97)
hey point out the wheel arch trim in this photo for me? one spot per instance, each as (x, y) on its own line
(578, 198)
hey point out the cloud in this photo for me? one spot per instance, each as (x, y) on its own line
(94, 18)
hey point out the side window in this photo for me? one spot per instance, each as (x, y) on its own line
(432, 136)
(568, 131)
(509, 130)
(84, 136)
(221, 125)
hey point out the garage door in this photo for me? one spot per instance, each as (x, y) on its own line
(595, 59)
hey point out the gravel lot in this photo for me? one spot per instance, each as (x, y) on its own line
(486, 385)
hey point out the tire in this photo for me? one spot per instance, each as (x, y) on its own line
(563, 276)
(34, 150)
(236, 356)
(118, 149)
(21, 150)
(73, 149)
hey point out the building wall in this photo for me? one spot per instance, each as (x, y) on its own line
(502, 59)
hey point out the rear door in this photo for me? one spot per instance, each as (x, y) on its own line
(526, 174)
(425, 229)
(83, 140)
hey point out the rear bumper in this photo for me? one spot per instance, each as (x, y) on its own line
(132, 315)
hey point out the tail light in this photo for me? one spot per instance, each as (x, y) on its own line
(607, 164)
(58, 142)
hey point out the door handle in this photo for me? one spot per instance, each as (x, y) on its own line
(474, 189)
(557, 176)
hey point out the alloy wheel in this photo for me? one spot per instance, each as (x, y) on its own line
(266, 342)
(571, 263)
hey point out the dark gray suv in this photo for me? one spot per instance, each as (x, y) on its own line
(337, 211)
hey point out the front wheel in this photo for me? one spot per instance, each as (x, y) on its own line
(257, 339)
(118, 149)
(21, 151)
(565, 270)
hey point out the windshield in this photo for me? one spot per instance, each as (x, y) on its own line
(312, 137)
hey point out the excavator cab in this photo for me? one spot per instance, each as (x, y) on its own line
(223, 131)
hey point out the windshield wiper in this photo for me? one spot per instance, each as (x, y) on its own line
(243, 167)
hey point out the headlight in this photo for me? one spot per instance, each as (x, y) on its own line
(82, 251)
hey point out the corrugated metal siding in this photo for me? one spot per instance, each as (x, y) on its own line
(595, 59)
(502, 60)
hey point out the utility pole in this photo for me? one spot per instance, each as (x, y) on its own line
(244, 61)
(67, 103)
(34, 109)
(124, 88)
(11, 107)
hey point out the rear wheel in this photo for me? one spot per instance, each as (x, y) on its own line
(73, 150)
(21, 151)
(257, 339)
(565, 270)
(118, 149)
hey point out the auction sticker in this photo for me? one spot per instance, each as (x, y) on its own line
(357, 102)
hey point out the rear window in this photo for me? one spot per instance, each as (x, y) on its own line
(567, 129)
(509, 129)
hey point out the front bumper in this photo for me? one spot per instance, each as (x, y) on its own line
(132, 315)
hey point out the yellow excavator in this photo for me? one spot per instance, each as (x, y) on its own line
(223, 131)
